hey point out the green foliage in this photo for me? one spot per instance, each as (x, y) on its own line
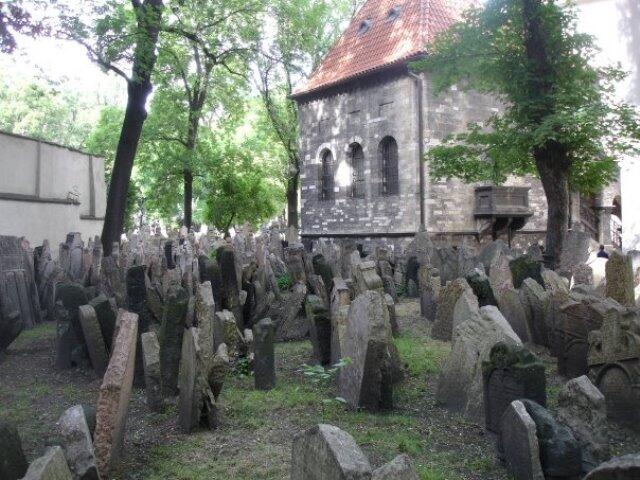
(422, 356)
(487, 52)
(284, 282)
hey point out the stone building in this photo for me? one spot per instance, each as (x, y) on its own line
(48, 190)
(365, 123)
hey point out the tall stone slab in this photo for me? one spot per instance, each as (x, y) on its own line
(51, 466)
(535, 301)
(13, 463)
(620, 282)
(106, 313)
(113, 399)
(367, 381)
(340, 301)
(429, 285)
(152, 375)
(170, 337)
(511, 373)
(93, 338)
(319, 328)
(225, 330)
(289, 324)
(460, 387)
(519, 443)
(447, 299)
(77, 444)
(325, 452)
(294, 258)
(264, 368)
(230, 283)
(367, 277)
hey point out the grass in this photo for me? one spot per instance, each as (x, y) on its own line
(422, 356)
(27, 338)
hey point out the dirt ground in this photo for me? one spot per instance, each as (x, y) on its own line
(254, 440)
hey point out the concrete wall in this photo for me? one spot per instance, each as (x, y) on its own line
(615, 24)
(47, 191)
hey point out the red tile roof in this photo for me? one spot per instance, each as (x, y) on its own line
(387, 42)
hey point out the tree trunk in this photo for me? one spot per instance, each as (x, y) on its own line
(553, 167)
(149, 15)
(188, 198)
(292, 199)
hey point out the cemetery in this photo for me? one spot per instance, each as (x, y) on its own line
(409, 300)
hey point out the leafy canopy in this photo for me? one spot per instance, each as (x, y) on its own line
(486, 52)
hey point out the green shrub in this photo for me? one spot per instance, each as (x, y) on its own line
(284, 282)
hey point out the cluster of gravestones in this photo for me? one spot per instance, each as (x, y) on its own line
(489, 304)
(170, 314)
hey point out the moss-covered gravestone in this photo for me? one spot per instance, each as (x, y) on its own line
(525, 267)
(511, 373)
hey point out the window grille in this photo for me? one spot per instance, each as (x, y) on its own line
(389, 166)
(326, 176)
(357, 171)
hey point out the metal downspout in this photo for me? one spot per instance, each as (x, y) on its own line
(417, 80)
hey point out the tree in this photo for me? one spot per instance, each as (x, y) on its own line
(304, 31)
(559, 119)
(122, 33)
(14, 18)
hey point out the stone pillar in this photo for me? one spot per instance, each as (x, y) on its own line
(264, 369)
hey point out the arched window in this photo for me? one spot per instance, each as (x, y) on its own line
(356, 157)
(388, 152)
(326, 176)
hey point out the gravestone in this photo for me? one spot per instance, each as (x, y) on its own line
(367, 277)
(77, 444)
(318, 288)
(152, 375)
(340, 301)
(319, 328)
(294, 258)
(13, 463)
(225, 330)
(289, 324)
(325, 452)
(575, 250)
(582, 274)
(490, 251)
(264, 369)
(321, 267)
(511, 373)
(614, 363)
(626, 467)
(479, 283)
(429, 285)
(519, 443)
(106, 313)
(448, 297)
(581, 407)
(93, 338)
(524, 267)
(400, 468)
(170, 338)
(535, 301)
(230, 285)
(113, 399)
(554, 282)
(460, 386)
(368, 380)
(70, 341)
(50, 466)
(112, 280)
(620, 281)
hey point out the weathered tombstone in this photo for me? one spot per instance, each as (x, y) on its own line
(525, 267)
(93, 338)
(290, 325)
(13, 463)
(367, 278)
(368, 380)
(626, 467)
(77, 444)
(319, 328)
(491, 251)
(466, 307)
(318, 288)
(340, 301)
(112, 281)
(575, 251)
(479, 283)
(321, 267)
(113, 399)
(70, 337)
(554, 282)
(449, 295)
(230, 284)
(51, 466)
(264, 368)
(519, 443)
(152, 375)
(294, 258)
(535, 301)
(170, 337)
(614, 363)
(136, 303)
(620, 282)
(325, 452)
(560, 453)
(511, 373)
(225, 330)
(400, 468)
(582, 274)
(429, 285)
(581, 407)
(393, 319)
(514, 311)
(106, 313)
(460, 386)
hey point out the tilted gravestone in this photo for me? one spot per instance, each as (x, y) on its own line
(368, 380)
(326, 452)
(519, 443)
(70, 341)
(264, 369)
(152, 376)
(290, 325)
(230, 284)
(400, 468)
(535, 301)
(170, 337)
(524, 267)
(429, 285)
(106, 313)
(50, 466)
(340, 301)
(367, 277)
(93, 338)
(626, 467)
(620, 281)
(294, 258)
(319, 328)
(460, 386)
(614, 365)
(137, 303)
(13, 463)
(77, 444)
(479, 283)
(113, 399)
(225, 330)
(511, 373)
(449, 295)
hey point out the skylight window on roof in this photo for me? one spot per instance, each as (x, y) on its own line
(364, 27)
(394, 13)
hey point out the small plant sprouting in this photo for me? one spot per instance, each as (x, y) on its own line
(284, 282)
(241, 367)
(320, 376)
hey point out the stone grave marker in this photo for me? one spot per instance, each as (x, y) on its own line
(519, 443)
(13, 463)
(152, 375)
(264, 369)
(319, 328)
(626, 467)
(51, 466)
(448, 297)
(400, 468)
(170, 338)
(77, 444)
(620, 281)
(93, 337)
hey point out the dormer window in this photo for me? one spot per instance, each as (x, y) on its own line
(364, 27)
(394, 13)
